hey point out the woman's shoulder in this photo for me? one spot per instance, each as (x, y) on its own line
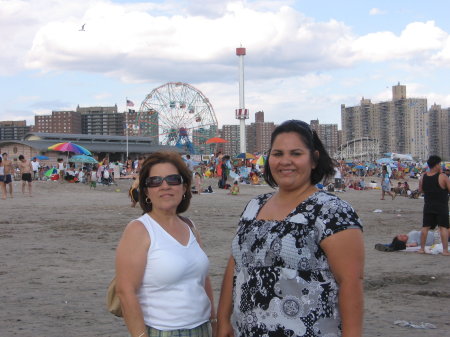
(253, 206)
(329, 199)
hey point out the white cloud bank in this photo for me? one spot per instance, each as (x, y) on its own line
(146, 41)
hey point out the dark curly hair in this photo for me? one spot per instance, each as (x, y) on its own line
(161, 157)
(398, 244)
(324, 164)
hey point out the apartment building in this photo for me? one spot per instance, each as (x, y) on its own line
(328, 134)
(58, 122)
(13, 130)
(439, 131)
(99, 120)
(400, 125)
(232, 134)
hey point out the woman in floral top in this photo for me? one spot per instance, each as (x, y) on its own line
(297, 259)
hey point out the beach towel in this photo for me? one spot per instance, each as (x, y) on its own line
(434, 249)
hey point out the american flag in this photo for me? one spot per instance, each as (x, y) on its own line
(129, 103)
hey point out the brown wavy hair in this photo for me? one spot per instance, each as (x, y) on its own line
(175, 159)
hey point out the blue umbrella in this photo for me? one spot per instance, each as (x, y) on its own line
(40, 157)
(384, 161)
(359, 167)
(82, 158)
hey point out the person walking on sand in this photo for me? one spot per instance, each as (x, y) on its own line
(25, 170)
(386, 184)
(35, 165)
(2, 179)
(8, 173)
(435, 186)
(61, 170)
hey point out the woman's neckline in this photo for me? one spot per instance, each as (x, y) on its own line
(170, 235)
(271, 195)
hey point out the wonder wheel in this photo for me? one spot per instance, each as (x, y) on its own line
(177, 114)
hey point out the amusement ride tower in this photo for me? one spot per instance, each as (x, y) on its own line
(242, 113)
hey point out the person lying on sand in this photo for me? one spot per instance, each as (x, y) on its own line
(402, 241)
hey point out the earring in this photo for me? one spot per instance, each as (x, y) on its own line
(184, 196)
(148, 201)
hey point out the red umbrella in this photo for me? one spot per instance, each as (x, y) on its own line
(216, 140)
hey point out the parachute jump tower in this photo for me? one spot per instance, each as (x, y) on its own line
(242, 113)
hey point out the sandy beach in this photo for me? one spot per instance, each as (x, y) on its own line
(58, 248)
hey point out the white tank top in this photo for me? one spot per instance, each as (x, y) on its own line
(2, 170)
(172, 295)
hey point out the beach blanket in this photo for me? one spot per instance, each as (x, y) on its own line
(434, 249)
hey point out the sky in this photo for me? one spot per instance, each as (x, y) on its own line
(304, 58)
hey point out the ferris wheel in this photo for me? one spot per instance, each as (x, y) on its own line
(177, 114)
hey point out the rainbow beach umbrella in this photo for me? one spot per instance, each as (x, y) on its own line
(70, 147)
(261, 160)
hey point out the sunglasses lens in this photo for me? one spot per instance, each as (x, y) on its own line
(156, 181)
(153, 181)
(174, 179)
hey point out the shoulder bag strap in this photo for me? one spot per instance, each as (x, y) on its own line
(191, 226)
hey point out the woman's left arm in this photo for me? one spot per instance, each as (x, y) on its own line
(345, 254)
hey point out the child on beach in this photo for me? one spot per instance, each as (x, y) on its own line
(234, 189)
(198, 182)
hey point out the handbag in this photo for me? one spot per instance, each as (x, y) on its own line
(113, 301)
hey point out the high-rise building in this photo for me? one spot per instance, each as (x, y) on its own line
(13, 130)
(439, 131)
(399, 125)
(258, 134)
(328, 134)
(99, 120)
(58, 122)
(232, 134)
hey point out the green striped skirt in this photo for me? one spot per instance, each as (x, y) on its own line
(200, 331)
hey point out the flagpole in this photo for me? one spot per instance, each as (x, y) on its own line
(126, 125)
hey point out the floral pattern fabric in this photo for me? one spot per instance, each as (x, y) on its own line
(282, 282)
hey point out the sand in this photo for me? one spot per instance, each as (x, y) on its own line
(57, 258)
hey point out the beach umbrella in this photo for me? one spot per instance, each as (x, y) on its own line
(50, 172)
(70, 147)
(40, 157)
(359, 167)
(260, 161)
(216, 140)
(384, 161)
(245, 155)
(82, 158)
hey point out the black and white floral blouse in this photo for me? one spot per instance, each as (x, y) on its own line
(283, 285)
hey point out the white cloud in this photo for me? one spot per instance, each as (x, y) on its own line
(418, 41)
(376, 11)
(162, 42)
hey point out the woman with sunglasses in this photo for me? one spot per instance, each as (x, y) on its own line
(297, 258)
(161, 270)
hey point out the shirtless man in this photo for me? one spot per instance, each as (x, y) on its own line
(8, 173)
(25, 169)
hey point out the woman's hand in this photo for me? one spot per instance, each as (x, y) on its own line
(224, 329)
(214, 328)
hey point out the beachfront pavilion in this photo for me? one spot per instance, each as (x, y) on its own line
(36, 143)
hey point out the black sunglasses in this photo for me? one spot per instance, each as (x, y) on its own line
(156, 181)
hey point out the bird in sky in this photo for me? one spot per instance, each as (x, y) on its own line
(82, 28)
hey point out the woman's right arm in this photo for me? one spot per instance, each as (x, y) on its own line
(224, 328)
(131, 259)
